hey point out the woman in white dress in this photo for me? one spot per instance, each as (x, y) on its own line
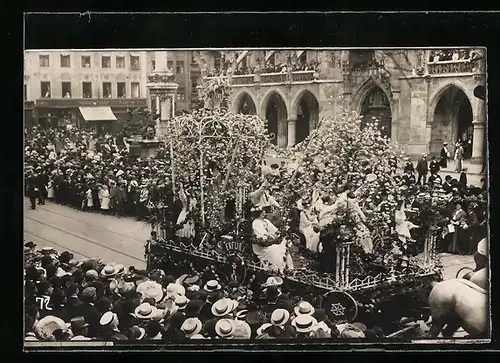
(187, 229)
(268, 245)
(50, 189)
(90, 201)
(309, 220)
(105, 198)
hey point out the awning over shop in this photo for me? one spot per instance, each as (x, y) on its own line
(97, 113)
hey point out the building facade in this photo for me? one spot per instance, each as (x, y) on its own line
(59, 82)
(421, 97)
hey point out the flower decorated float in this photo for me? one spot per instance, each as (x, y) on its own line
(341, 184)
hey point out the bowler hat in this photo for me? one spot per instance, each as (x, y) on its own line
(78, 323)
(66, 256)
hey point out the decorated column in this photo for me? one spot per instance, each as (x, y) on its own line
(163, 89)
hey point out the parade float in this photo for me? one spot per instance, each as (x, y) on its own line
(218, 162)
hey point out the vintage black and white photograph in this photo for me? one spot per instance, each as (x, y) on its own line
(321, 195)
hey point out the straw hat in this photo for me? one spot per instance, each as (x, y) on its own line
(145, 311)
(263, 327)
(45, 327)
(225, 328)
(109, 319)
(280, 317)
(223, 307)
(303, 308)
(124, 287)
(46, 250)
(150, 289)
(191, 326)
(181, 302)
(108, 271)
(273, 281)
(120, 269)
(197, 336)
(212, 285)
(304, 323)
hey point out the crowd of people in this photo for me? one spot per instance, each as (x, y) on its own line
(68, 299)
(452, 55)
(91, 172)
(80, 169)
(312, 65)
(466, 212)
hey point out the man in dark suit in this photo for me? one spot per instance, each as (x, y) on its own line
(448, 188)
(74, 306)
(89, 311)
(434, 165)
(422, 169)
(408, 166)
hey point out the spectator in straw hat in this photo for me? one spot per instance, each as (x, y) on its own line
(280, 317)
(108, 325)
(304, 307)
(223, 307)
(212, 285)
(181, 302)
(150, 289)
(145, 311)
(303, 324)
(225, 328)
(108, 271)
(191, 326)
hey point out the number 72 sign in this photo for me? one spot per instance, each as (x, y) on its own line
(44, 303)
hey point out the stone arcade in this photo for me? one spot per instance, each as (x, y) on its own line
(421, 101)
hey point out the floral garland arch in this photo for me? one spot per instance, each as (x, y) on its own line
(217, 155)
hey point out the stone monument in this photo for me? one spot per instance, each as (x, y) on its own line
(162, 92)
